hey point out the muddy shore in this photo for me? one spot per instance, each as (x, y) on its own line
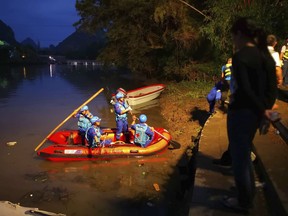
(185, 116)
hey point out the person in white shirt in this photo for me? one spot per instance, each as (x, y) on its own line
(272, 42)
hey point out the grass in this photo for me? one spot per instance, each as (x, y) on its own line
(192, 89)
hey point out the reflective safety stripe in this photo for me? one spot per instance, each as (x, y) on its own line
(285, 56)
(227, 71)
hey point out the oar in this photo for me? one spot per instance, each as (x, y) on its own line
(174, 144)
(75, 111)
(108, 94)
(161, 135)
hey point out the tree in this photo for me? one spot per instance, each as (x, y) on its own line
(268, 13)
(151, 36)
(169, 38)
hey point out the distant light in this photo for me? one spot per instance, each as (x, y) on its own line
(51, 58)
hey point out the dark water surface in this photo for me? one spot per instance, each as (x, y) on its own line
(33, 101)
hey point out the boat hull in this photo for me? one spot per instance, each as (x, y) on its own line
(143, 94)
(62, 150)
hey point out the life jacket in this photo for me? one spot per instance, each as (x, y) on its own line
(122, 108)
(140, 134)
(83, 122)
(227, 71)
(285, 56)
(89, 134)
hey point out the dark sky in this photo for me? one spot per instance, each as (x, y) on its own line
(46, 21)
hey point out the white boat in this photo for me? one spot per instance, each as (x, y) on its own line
(8, 208)
(141, 95)
(144, 94)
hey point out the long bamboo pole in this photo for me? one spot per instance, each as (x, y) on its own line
(195, 9)
(63, 122)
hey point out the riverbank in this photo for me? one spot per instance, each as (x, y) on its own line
(185, 110)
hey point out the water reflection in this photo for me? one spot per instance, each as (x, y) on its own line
(82, 166)
(51, 69)
(24, 72)
(137, 109)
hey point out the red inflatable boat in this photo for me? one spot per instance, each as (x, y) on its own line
(67, 146)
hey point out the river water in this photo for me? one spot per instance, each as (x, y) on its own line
(33, 101)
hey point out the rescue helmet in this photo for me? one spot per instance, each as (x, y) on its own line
(119, 95)
(143, 118)
(95, 119)
(84, 108)
(122, 91)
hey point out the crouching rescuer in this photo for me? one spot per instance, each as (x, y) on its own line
(93, 134)
(143, 133)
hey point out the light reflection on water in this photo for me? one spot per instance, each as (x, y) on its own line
(33, 101)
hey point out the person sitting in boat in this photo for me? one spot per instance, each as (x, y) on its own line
(114, 100)
(93, 134)
(121, 108)
(143, 133)
(84, 116)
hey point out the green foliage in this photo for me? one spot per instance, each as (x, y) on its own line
(268, 13)
(193, 71)
(194, 89)
(169, 39)
(145, 36)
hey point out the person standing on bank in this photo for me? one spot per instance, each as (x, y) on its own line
(253, 93)
(225, 159)
(143, 133)
(226, 72)
(121, 109)
(272, 42)
(213, 96)
(83, 123)
(284, 58)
